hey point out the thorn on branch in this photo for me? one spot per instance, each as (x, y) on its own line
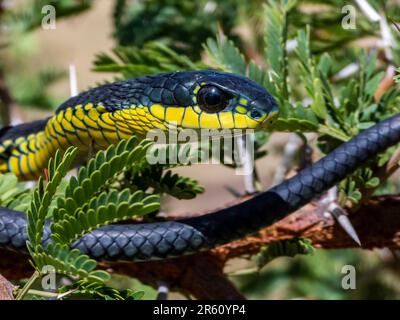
(329, 206)
(340, 215)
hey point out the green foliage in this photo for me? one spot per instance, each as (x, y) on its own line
(58, 255)
(91, 200)
(68, 262)
(320, 276)
(43, 195)
(295, 117)
(31, 89)
(13, 194)
(335, 113)
(153, 57)
(283, 248)
(29, 16)
(277, 12)
(181, 25)
(85, 206)
(397, 77)
(99, 291)
(166, 182)
(225, 55)
(27, 88)
(70, 218)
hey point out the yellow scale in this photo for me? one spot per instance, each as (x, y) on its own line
(91, 127)
(82, 126)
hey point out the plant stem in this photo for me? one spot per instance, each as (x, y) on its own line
(47, 294)
(44, 294)
(27, 285)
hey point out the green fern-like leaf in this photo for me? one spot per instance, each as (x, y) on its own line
(102, 210)
(153, 57)
(99, 291)
(43, 195)
(13, 194)
(275, 39)
(68, 262)
(225, 55)
(167, 182)
(60, 256)
(283, 248)
(86, 204)
(101, 169)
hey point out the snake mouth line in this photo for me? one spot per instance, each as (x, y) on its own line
(270, 119)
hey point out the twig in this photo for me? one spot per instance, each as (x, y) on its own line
(289, 152)
(346, 72)
(44, 294)
(246, 150)
(21, 294)
(73, 82)
(387, 38)
(388, 42)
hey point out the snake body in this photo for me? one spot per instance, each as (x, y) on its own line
(106, 114)
(174, 238)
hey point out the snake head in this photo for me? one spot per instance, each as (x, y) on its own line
(210, 100)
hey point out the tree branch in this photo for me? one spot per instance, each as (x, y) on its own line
(377, 223)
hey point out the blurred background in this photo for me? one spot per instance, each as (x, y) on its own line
(105, 40)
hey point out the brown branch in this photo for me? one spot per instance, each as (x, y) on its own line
(377, 223)
(6, 289)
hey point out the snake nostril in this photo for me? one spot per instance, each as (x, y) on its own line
(255, 114)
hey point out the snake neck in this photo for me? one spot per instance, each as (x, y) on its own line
(26, 149)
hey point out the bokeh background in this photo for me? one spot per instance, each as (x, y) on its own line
(34, 80)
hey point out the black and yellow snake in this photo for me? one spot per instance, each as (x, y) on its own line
(187, 99)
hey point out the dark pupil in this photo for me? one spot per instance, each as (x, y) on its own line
(211, 99)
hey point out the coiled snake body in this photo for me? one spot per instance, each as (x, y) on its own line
(187, 99)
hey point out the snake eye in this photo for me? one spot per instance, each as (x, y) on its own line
(212, 99)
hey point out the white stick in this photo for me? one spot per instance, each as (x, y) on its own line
(247, 160)
(73, 82)
(387, 38)
(347, 71)
(368, 10)
(289, 152)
